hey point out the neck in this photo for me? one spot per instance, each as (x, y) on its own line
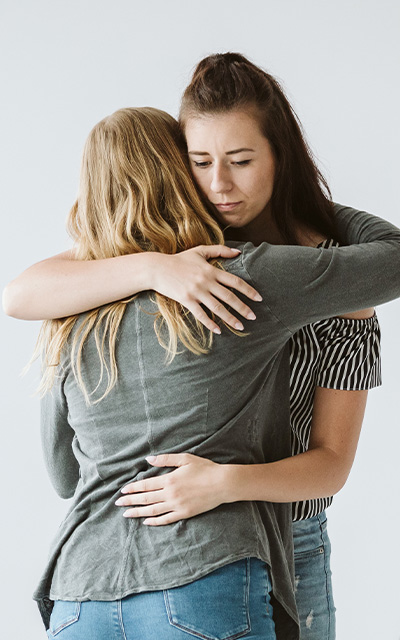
(308, 237)
(264, 229)
(261, 229)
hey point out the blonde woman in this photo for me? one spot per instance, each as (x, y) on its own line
(140, 377)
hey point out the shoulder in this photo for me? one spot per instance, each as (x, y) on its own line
(350, 331)
(350, 354)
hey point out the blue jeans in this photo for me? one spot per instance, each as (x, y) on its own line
(231, 602)
(312, 553)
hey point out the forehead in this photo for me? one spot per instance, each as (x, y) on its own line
(238, 128)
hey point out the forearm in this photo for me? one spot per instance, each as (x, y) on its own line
(360, 227)
(62, 287)
(199, 484)
(316, 473)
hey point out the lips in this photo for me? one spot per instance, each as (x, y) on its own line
(226, 206)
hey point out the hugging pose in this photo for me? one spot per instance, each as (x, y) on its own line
(207, 349)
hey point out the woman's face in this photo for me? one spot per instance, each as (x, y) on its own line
(233, 164)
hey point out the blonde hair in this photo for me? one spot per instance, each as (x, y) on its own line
(135, 195)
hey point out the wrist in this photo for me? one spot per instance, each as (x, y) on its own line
(159, 267)
(148, 270)
(230, 482)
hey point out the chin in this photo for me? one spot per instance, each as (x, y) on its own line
(230, 221)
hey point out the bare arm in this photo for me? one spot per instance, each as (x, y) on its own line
(61, 286)
(198, 485)
(323, 469)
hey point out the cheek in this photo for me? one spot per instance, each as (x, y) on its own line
(259, 189)
(201, 180)
(265, 184)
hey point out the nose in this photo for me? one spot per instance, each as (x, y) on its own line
(221, 181)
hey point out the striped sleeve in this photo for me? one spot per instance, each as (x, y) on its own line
(351, 354)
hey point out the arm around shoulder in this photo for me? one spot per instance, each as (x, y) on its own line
(302, 284)
(63, 286)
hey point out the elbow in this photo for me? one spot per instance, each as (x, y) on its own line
(337, 481)
(65, 491)
(65, 482)
(336, 487)
(11, 301)
(8, 301)
(332, 474)
(16, 302)
(65, 495)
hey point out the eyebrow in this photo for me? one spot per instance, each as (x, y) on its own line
(228, 153)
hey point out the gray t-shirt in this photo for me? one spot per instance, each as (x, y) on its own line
(231, 405)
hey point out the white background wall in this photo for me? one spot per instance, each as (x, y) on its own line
(65, 65)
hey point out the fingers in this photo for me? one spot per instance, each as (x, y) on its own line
(151, 497)
(156, 514)
(217, 251)
(198, 312)
(167, 518)
(149, 511)
(218, 309)
(226, 278)
(228, 297)
(211, 287)
(150, 484)
(234, 282)
(169, 459)
(222, 312)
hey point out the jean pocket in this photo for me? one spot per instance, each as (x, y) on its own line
(309, 553)
(63, 615)
(215, 607)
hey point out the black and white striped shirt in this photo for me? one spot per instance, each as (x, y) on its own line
(337, 353)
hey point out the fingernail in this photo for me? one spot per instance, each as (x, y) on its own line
(239, 326)
(119, 502)
(150, 458)
(124, 490)
(251, 316)
(257, 298)
(217, 331)
(237, 250)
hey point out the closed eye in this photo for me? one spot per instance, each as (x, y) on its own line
(206, 163)
(201, 165)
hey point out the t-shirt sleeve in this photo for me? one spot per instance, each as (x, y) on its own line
(57, 438)
(301, 285)
(350, 355)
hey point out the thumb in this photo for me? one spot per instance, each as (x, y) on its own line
(169, 460)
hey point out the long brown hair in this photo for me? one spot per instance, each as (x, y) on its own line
(135, 195)
(301, 196)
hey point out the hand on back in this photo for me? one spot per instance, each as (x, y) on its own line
(190, 279)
